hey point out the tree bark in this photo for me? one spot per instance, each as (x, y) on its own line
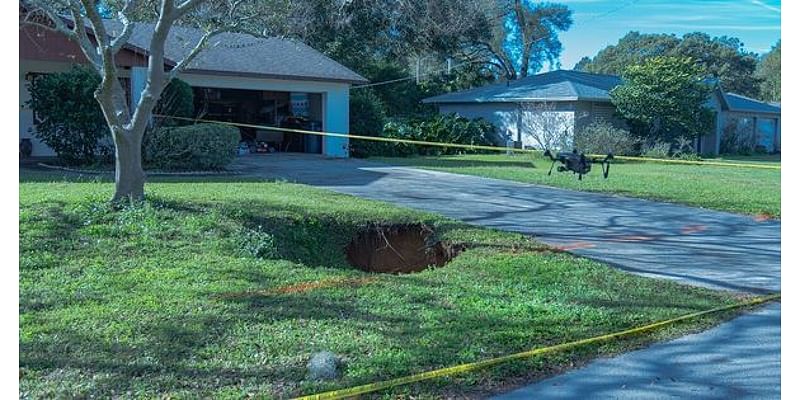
(129, 174)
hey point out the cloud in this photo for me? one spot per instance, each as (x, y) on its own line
(767, 6)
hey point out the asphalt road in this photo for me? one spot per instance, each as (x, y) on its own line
(738, 359)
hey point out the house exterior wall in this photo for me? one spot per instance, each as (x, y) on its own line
(39, 44)
(766, 128)
(513, 119)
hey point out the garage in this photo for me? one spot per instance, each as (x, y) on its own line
(295, 110)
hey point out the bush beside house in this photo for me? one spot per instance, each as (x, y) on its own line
(601, 137)
(434, 128)
(193, 147)
(177, 100)
(68, 118)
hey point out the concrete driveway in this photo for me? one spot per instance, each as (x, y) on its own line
(713, 249)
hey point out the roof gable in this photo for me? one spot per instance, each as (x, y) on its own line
(560, 85)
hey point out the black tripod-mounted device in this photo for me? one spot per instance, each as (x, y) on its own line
(578, 163)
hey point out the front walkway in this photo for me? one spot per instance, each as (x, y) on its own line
(695, 246)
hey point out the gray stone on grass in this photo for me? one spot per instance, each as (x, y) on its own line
(323, 365)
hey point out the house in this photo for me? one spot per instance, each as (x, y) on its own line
(239, 78)
(572, 99)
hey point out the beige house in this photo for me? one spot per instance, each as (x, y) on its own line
(569, 100)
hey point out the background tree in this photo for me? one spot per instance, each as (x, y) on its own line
(523, 36)
(632, 49)
(664, 98)
(100, 46)
(769, 71)
(722, 58)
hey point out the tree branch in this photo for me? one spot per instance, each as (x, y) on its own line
(127, 29)
(50, 13)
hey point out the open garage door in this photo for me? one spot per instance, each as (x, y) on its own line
(266, 108)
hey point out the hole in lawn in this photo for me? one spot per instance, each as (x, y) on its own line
(399, 249)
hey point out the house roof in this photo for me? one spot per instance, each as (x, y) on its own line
(737, 102)
(241, 54)
(560, 85)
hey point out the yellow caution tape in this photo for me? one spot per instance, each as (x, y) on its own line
(374, 387)
(463, 146)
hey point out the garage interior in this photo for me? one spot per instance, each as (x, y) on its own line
(268, 108)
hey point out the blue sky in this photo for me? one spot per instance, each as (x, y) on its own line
(598, 23)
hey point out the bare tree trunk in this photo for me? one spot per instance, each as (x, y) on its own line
(129, 175)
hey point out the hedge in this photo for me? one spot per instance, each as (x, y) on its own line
(192, 147)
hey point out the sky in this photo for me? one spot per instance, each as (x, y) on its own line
(599, 23)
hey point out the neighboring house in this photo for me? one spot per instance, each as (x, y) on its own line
(575, 99)
(239, 78)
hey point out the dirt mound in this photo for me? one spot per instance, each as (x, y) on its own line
(398, 249)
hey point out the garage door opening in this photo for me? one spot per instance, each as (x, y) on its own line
(266, 108)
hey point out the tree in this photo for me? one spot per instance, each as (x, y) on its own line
(523, 38)
(548, 128)
(632, 49)
(85, 27)
(664, 98)
(769, 70)
(722, 58)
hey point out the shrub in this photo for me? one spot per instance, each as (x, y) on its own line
(737, 137)
(435, 128)
(192, 147)
(685, 150)
(656, 149)
(600, 137)
(256, 243)
(176, 100)
(367, 118)
(68, 118)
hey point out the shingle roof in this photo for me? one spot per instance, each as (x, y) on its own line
(245, 55)
(560, 85)
(737, 102)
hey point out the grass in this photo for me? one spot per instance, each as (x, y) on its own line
(739, 190)
(225, 289)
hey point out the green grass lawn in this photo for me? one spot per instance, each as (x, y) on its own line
(225, 289)
(740, 190)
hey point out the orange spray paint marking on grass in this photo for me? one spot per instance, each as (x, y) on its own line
(761, 218)
(689, 229)
(304, 287)
(575, 246)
